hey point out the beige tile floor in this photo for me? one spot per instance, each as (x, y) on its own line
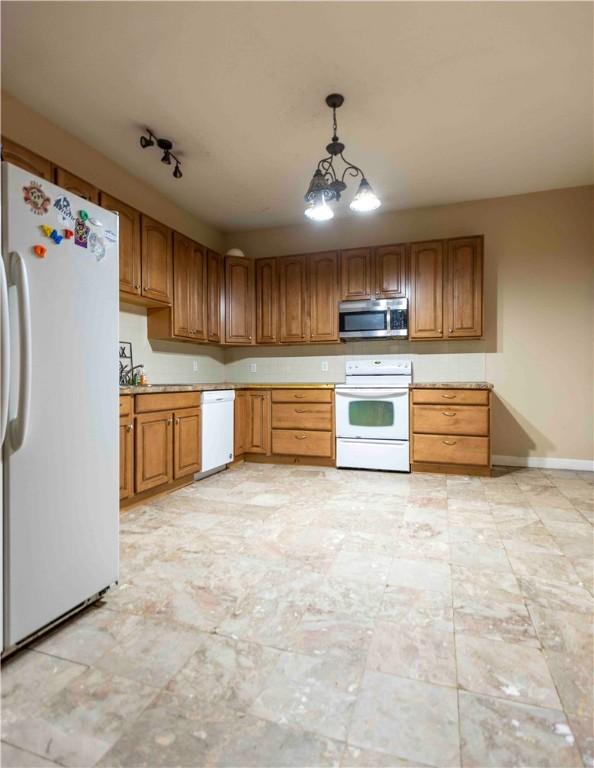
(281, 616)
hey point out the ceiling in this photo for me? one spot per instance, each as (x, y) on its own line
(445, 102)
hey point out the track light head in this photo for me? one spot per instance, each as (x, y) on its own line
(146, 142)
(166, 157)
(177, 174)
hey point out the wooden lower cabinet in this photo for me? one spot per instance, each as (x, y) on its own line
(126, 457)
(252, 422)
(450, 430)
(154, 450)
(240, 421)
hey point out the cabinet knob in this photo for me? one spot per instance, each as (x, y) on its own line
(169, 422)
(130, 428)
(177, 421)
(449, 330)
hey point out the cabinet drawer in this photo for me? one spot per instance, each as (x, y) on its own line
(297, 442)
(301, 395)
(167, 401)
(302, 416)
(451, 419)
(451, 449)
(125, 405)
(462, 396)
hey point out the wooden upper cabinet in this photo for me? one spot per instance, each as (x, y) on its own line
(128, 243)
(293, 304)
(426, 290)
(154, 450)
(214, 286)
(464, 288)
(355, 274)
(76, 185)
(186, 442)
(390, 271)
(27, 160)
(323, 296)
(157, 262)
(239, 300)
(189, 282)
(266, 301)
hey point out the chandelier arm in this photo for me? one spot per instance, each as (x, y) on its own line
(351, 169)
(325, 165)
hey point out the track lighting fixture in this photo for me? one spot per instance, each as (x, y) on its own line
(166, 146)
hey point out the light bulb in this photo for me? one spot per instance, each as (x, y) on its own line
(365, 199)
(319, 211)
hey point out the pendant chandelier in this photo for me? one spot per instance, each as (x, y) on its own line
(327, 184)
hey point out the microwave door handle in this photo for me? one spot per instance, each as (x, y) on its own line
(376, 394)
(388, 319)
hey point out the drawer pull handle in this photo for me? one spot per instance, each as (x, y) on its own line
(448, 413)
(300, 437)
(449, 442)
(300, 396)
(449, 397)
(304, 410)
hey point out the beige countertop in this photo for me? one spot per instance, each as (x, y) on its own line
(156, 388)
(451, 385)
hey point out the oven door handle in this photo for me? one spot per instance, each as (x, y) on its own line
(376, 394)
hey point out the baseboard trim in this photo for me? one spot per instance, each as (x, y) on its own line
(544, 462)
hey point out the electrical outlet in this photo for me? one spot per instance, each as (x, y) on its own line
(324, 365)
(252, 367)
(194, 365)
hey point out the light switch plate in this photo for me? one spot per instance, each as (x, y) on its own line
(324, 365)
(252, 367)
(194, 365)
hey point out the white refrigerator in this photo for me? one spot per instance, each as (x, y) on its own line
(58, 403)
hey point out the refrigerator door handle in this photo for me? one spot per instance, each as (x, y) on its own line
(17, 428)
(4, 352)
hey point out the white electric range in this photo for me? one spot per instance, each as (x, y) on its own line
(372, 415)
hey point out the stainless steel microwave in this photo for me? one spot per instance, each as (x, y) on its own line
(373, 319)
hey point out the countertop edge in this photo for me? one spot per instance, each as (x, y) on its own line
(163, 388)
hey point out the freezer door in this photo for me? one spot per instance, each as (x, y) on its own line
(60, 457)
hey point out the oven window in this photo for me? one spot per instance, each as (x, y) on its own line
(371, 413)
(363, 321)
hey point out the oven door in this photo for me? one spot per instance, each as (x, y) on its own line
(372, 413)
(363, 319)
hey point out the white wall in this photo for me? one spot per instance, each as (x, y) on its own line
(169, 362)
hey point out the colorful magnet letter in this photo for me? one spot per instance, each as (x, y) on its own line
(64, 209)
(83, 215)
(36, 198)
(81, 233)
(46, 229)
(68, 234)
(56, 237)
(40, 251)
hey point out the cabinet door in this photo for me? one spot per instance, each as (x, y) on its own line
(126, 457)
(128, 243)
(154, 450)
(266, 301)
(323, 296)
(390, 271)
(214, 271)
(464, 288)
(198, 297)
(241, 420)
(157, 262)
(186, 442)
(77, 186)
(27, 160)
(426, 300)
(239, 300)
(182, 285)
(258, 423)
(292, 281)
(355, 274)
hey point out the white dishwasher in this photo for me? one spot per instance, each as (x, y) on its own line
(217, 430)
